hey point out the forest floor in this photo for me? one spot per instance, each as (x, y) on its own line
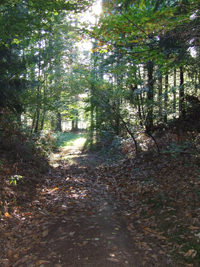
(85, 212)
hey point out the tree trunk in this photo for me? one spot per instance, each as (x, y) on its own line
(139, 111)
(58, 122)
(33, 122)
(37, 120)
(149, 119)
(166, 97)
(174, 93)
(160, 109)
(181, 95)
(38, 92)
(91, 123)
(42, 121)
(75, 120)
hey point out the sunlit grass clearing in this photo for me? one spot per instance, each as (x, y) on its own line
(70, 139)
(79, 142)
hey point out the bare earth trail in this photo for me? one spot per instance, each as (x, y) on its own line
(84, 212)
(85, 229)
(79, 223)
(82, 226)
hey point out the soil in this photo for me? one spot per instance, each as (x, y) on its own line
(85, 227)
(71, 221)
(85, 213)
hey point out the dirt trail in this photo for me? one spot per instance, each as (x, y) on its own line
(89, 233)
(79, 224)
(85, 212)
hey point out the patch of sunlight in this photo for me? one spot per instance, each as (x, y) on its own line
(79, 142)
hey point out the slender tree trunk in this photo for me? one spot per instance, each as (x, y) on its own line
(91, 123)
(42, 120)
(166, 97)
(160, 96)
(37, 120)
(58, 122)
(33, 122)
(139, 110)
(75, 121)
(44, 105)
(174, 93)
(149, 119)
(38, 92)
(181, 95)
(196, 84)
(142, 106)
(98, 123)
(116, 107)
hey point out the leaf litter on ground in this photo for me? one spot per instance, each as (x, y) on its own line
(158, 197)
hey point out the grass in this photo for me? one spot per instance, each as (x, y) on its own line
(70, 139)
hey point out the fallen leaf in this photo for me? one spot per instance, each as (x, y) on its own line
(6, 234)
(6, 214)
(191, 252)
(16, 256)
(113, 260)
(71, 233)
(63, 238)
(154, 257)
(193, 227)
(45, 233)
(159, 236)
(27, 213)
(42, 261)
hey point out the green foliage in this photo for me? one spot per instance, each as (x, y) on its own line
(45, 142)
(15, 179)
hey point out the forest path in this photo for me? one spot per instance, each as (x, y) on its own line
(85, 212)
(77, 221)
(82, 225)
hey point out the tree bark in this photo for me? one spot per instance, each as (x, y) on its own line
(181, 95)
(160, 96)
(174, 93)
(149, 118)
(58, 122)
(166, 97)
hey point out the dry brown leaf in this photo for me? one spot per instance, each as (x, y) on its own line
(193, 227)
(16, 256)
(159, 236)
(45, 233)
(6, 214)
(42, 261)
(6, 234)
(154, 257)
(113, 260)
(190, 253)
